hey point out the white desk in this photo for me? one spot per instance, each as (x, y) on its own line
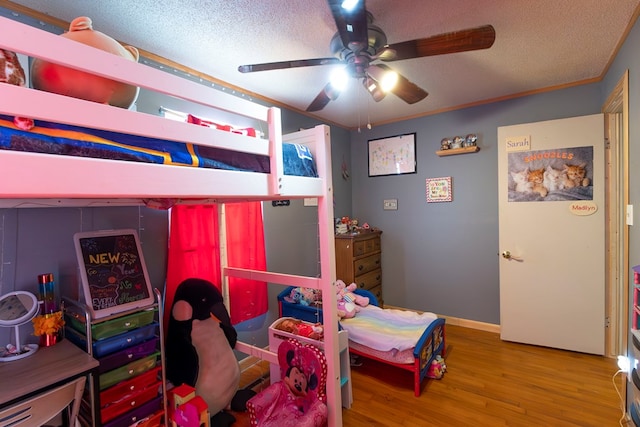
(48, 367)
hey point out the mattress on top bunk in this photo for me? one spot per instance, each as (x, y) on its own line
(54, 138)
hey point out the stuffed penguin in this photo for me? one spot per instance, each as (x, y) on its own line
(199, 347)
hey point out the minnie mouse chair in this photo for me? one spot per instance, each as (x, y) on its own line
(299, 399)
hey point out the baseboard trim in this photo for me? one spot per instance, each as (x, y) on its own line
(456, 321)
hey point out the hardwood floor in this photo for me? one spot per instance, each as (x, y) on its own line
(490, 383)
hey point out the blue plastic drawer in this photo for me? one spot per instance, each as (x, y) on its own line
(113, 344)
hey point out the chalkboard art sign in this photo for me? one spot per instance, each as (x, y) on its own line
(113, 272)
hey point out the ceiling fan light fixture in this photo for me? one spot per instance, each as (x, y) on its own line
(349, 5)
(339, 79)
(374, 89)
(386, 79)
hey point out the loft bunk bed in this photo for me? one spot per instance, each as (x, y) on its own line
(42, 179)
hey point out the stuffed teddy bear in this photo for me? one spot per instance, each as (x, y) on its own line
(199, 349)
(346, 293)
(346, 310)
(12, 72)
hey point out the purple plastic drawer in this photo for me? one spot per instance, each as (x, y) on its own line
(127, 355)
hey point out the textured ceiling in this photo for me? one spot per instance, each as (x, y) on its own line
(539, 44)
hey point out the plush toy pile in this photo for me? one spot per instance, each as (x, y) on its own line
(304, 296)
(349, 302)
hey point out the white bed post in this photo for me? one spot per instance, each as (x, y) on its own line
(328, 276)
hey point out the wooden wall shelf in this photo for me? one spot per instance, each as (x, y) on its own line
(453, 151)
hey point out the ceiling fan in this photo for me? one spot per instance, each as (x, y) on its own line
(359, 45)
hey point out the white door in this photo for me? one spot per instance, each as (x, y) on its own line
(552, 234)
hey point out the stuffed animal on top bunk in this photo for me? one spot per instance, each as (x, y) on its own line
(55, 78)
(298, 400)
(12, 72)
(199, 349)
(349, 303)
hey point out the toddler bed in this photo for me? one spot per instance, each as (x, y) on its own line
(404, 339)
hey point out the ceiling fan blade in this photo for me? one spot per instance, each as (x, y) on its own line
(456, 41)
(352, 25)
(287, 64)
(320, 101)
(328, 93)
(406, 90)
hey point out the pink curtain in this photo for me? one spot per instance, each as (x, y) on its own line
(194, 251)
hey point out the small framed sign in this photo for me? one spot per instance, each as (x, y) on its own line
(114, 275)
(439, 189)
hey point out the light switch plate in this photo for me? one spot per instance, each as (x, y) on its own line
(390, 205)
(629, 215)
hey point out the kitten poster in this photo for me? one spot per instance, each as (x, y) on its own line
(551, 175)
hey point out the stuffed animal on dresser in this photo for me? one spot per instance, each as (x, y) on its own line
(12, 72)
(199, 349)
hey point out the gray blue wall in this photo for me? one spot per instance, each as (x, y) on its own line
(443, 257)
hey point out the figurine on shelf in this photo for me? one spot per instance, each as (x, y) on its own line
(445, 144)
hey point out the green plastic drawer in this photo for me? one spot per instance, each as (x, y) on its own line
(112, 327)
(127, 371)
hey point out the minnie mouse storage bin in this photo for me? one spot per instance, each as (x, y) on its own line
(277, 336)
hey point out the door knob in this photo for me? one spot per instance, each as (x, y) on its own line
(507, 255)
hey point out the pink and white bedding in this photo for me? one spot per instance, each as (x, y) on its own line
(387, 329)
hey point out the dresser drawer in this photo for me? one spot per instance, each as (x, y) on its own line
(377, 291)
(365, 265)
(369, 280)
(362, 247)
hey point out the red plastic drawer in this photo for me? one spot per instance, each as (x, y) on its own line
(129, 402)
(129, 386)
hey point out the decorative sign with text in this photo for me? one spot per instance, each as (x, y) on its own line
(439, 189)
(114, 275)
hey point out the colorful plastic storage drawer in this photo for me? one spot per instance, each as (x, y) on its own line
(111, 345)
(129, 402)
(127, 355)
(128, 371)
(112, 327)
(137, 414)
(125, 387)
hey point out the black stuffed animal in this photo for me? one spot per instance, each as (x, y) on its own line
(199, 349)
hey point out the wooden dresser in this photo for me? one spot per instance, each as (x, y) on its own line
(358, 260)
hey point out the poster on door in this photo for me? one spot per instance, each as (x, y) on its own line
(551, 175)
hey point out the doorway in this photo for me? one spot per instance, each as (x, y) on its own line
(616, 109)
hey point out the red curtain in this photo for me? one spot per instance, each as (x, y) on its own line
(194, 251)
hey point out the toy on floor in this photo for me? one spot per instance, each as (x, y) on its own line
(199, 349)
(12, 72)
(437, 368)
(299, 399)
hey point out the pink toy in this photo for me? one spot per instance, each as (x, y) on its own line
(349, 302)
(437, 368)
(299, 399)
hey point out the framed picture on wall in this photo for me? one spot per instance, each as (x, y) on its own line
(439, 189)
(395, 155)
